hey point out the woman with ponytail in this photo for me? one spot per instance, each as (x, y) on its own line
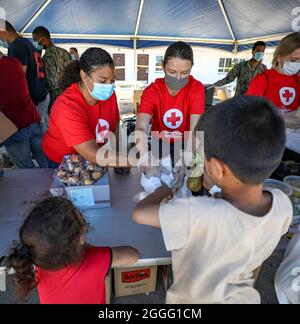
(53, 257)
(86, 113)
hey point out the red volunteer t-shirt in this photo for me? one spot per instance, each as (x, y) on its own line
(76, 284)
(15, 101)
(282, 90)
(171, 114)
(73, 121)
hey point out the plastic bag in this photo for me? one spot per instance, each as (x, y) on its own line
(287, 279)
(292, 119)
(158, 172)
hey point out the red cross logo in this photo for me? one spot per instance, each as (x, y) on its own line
(102, 129)
(173, 118)
(287, 95)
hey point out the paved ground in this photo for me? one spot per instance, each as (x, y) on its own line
(264, 285)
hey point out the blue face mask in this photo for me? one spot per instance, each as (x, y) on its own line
(101, 91)
(3, 44)
(73, 58)
(258, 56)
(37, 46)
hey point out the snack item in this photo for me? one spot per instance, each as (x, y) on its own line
(74, 171)
(96, 175)
(75, 158)
(73, 181)
(90, 167)
(77, 170)
(61, 173)
(88, 182)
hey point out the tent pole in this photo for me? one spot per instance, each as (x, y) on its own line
(137, 25)
(227, 19)
(135, 61)
(235, 50)
(185, 39)
(33, 18)
(267, 38)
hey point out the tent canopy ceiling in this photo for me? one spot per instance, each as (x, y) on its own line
(225, 24)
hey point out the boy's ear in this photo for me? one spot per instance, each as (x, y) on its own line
(217, 169)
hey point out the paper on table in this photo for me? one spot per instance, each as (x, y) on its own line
(7, 128)
(82, 197)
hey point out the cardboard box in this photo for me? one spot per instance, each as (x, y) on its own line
(167, 275)
(85, 197)
(108, 287)
(132, 281)
(7, 128)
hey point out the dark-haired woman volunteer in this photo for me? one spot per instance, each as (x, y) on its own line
(86, 112)
(174, 103)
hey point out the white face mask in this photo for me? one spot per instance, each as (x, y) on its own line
(290, 68)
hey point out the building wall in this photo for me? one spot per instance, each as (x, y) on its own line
(205, 68)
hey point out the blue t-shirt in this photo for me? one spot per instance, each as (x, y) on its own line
(23, 50)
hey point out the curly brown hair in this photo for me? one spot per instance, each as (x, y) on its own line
(50, 238)
(90, 60)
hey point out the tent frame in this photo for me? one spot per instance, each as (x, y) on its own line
(35, 15)
(136, 37)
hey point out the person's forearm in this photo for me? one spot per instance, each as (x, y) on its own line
(89, 155)
(231, 76)
(221, 83)
(156, 197)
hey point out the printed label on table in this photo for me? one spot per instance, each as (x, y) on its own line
(82, 197)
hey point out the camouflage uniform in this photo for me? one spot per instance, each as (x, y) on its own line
(245, 73)
(55, 59)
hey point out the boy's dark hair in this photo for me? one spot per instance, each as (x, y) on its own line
(90, 60)
(41, 32)
(259, 43)
(8, 26)
(49, 239)
(181, 50)
(247, 134)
